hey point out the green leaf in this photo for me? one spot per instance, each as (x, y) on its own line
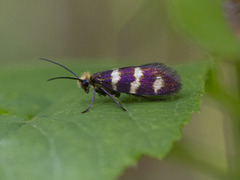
(44, 135)
(205, 22)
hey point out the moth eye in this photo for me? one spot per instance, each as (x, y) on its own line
(86, 83)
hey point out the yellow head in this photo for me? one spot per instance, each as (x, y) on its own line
(84, 81)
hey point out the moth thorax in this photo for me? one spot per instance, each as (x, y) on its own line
(85, 75)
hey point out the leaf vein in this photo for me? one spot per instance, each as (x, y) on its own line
(56, 162)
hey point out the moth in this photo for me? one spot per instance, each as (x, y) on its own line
(145, 81)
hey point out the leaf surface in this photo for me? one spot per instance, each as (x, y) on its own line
(44, 135)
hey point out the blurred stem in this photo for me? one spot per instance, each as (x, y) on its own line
(238, 121)
(232, 103)
(216, 90)
(238, 77)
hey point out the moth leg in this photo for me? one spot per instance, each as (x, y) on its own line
(113, 99)
(151, 99)
(99, 91)
(115, 93)
(91, 102)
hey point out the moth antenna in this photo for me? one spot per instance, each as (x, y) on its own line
(64, 78)
(59, 65)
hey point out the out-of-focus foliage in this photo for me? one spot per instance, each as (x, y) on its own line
(206, 23)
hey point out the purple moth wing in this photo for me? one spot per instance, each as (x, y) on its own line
(103, 79)
(149, 79)
(159, 79)
(117, 79)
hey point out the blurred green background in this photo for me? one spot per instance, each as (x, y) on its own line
(116, 30)
(129, 32)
